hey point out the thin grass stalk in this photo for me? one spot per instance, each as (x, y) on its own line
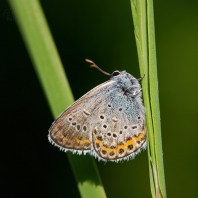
(154, 98)
(140, 29)
(143, 19)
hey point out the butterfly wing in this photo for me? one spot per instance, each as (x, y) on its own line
(119, 127)
(72, 130)
(105, 122)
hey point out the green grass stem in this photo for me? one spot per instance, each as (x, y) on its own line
(42, 50)
(154, 96)
(143, 18)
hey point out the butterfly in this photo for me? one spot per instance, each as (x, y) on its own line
(108, 122)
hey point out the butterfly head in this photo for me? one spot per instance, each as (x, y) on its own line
(126, 81)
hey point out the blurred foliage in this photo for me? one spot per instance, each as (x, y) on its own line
(101, 31)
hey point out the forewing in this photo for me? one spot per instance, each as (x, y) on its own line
(73, 128)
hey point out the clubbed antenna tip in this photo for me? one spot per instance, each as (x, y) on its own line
(92, 64)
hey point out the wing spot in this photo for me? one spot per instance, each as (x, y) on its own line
(73, 123)
(130, 147)
(120, 143)
(80, 138)
(102, 117)
(84, 128)
(120, 132)
(86, 112)
(120, 109)
(115, 119)
(139, 117)
(134, 127)
(114, 135)
(78, 127)
(105, 126)
(95, 131)
(97, 145)
(121, 151)
(109, 134)
(125, 127)
(104, 152)
(99, 138)
(70, 118)
(105, 145)
(112, 153)
(109, 105)
(87, 144)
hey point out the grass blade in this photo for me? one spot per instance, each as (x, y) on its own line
(154, 96)
(46, 61)
(143, 19)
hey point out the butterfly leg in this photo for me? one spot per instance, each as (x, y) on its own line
(136, 92)
(140, 79)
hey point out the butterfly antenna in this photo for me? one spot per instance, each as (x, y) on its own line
(92, 64)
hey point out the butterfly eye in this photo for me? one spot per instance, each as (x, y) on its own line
(115, 73)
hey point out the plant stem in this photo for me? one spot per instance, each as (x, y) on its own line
(42, 50)
(143, 18)
(154, 96)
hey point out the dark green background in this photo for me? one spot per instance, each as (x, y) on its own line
(102, 31)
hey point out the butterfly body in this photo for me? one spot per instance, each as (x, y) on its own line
(108, 122)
